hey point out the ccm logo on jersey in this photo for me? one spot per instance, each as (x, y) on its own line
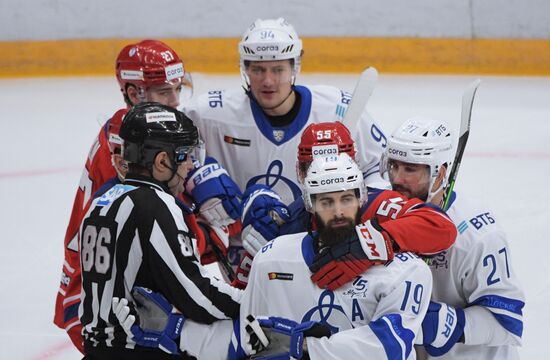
(324, 150)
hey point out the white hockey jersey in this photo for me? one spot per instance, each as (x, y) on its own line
(376, 316)
(237, 133)
(476, 274)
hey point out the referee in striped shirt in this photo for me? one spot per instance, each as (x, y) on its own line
(135, 235)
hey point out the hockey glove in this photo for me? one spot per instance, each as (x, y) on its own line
(442, 327)
(159, 323)
(286, 337)
(337, 265)
(263, 214)
(216, 194)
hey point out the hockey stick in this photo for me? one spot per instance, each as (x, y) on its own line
(465, 120)
(361, 95)
(225, 266)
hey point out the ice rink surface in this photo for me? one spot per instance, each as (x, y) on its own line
(48, 125)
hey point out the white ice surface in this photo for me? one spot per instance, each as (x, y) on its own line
(47, 126)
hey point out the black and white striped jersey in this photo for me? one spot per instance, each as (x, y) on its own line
(135, 235)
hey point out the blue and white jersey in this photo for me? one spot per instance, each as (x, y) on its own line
(375, 316)
(476, 274)
(237, 134)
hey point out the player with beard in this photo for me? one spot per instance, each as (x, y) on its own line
(475, 287)
(378, 313)
(433, 231)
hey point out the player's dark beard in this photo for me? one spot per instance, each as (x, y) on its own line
(329, 236)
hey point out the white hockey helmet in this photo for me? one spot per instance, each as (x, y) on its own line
(424, 141)
(331, 174)
(270, 40)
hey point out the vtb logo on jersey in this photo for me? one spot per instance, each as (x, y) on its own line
(278, 135)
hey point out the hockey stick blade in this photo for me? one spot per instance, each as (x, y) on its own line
(465, 120)
(361, 95)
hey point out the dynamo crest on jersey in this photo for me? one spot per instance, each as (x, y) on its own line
(329, 313)
(279, 135)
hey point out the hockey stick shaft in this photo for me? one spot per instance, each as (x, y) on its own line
(224, 264)
(361, 95)
(465, 120)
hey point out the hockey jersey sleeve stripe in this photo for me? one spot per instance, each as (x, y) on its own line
(396, 340)
(190, 285)
(235, 350)
(71, 312)
(501, 302)
(496, 303)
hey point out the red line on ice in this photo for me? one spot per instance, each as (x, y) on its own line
(36, 172)
(53, 351)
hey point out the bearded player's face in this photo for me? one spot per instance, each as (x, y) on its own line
(336, 214)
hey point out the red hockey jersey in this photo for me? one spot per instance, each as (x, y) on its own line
(97, 171)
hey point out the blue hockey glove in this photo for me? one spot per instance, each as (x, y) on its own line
(216, 194)
(286, 337)
(337, 265)
(442, 327)
(159, 323)
(263, 214)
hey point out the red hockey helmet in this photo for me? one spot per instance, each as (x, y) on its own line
(322, 139)
(149, 62)
(113, 130)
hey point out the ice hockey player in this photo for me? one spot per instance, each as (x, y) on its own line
(135, 235)
(146, 71)
(477, 301)
(253, 132)
(378, 313)
(433, 230)
(263, 207)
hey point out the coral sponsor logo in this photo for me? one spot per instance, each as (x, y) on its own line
(397, 152)
(332, 181)
(174, 71)
(267, 48)
(324, 150)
